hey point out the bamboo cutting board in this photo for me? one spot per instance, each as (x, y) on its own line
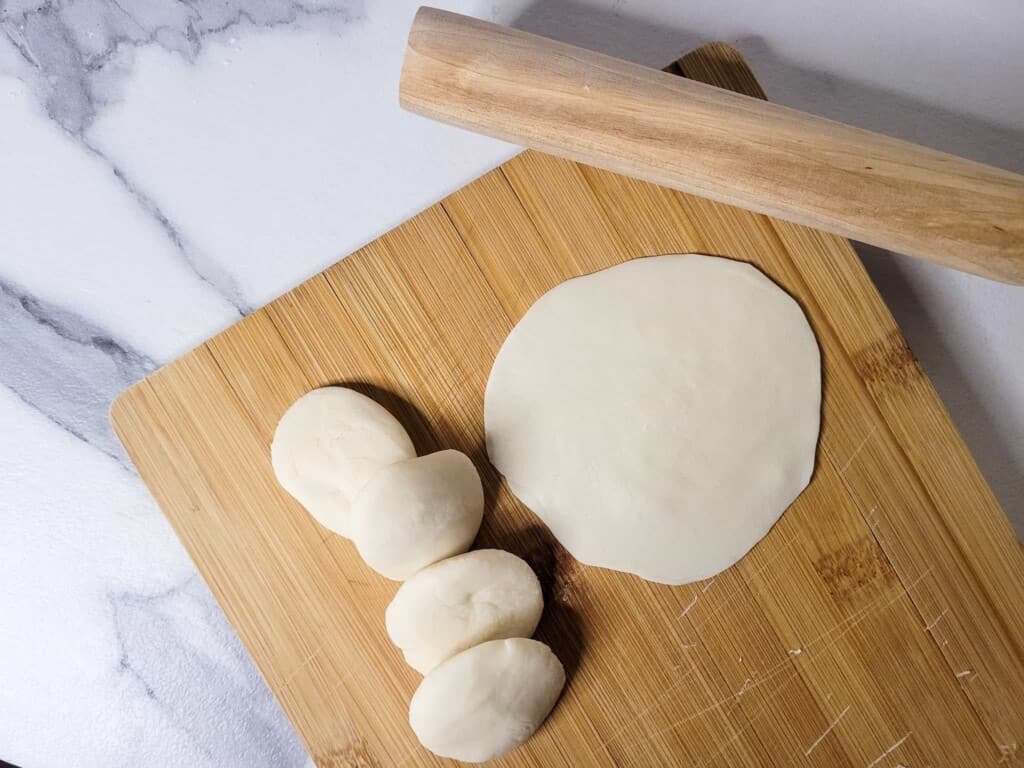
(880, 623)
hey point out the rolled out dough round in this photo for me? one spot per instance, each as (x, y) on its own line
(659, 415)
(486, 701)
(328, 444)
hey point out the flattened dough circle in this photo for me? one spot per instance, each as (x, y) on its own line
(659, 415)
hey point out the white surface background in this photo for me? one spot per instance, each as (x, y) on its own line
(164, 168)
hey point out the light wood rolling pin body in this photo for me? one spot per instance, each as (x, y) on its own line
(696, 138)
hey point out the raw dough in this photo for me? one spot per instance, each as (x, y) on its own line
(328, 444)
(486, 701)
(482, 595)
(416, 512)
(659, 415)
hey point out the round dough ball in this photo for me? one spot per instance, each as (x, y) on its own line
(659, 415)
(460, 602)
(486, 701)
(416, 512)
(328, 444)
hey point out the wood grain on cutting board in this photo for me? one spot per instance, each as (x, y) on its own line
(881, 622)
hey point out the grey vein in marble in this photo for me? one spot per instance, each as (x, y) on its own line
(70, 42)
(186, 673)
(207, 270)
(75, 50)
(65, 366)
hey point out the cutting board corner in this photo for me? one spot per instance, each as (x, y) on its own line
(882, 617)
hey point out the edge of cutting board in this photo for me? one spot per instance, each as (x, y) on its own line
(898, 543)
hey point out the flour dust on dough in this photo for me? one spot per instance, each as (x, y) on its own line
(659, 415)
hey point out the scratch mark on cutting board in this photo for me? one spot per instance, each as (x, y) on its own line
(707, 586)
(936, 620)
(633, 720)
(743, 688)
(303, 664)
(344, 679)
(728, 598)
(734, 737)
(858, 449)
(881, 757)
(686, 610)
(828, 730)
(844, 627)
(965, 673)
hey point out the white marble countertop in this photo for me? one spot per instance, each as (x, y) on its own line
(167, 166)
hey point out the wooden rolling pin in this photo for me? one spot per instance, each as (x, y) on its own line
(626, 118)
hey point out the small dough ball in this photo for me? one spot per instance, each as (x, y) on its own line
(463, 601)
(486, 701)
(328, 444)
(416, 512)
